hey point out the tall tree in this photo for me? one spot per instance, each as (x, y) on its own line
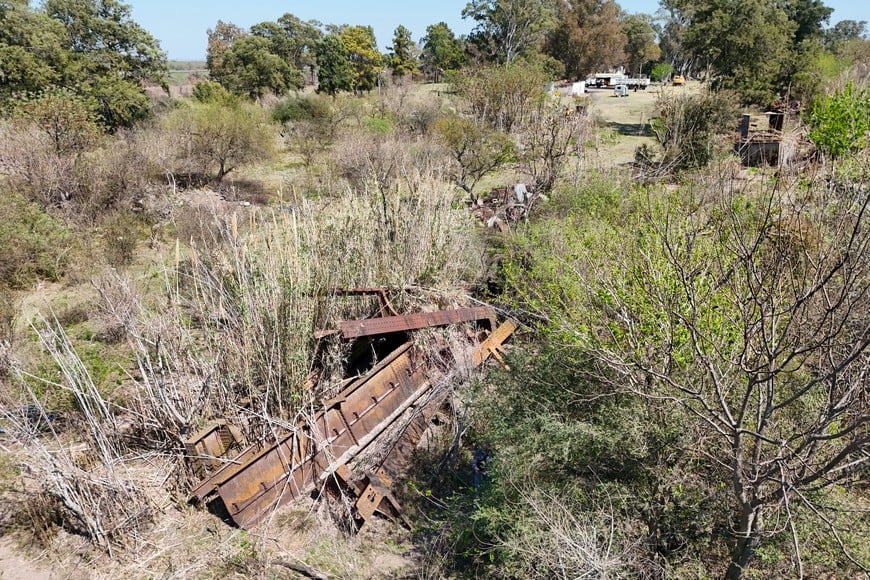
(31, 56)
(442, 51)
(507, 29)
(401, 58)
(304, 37)
(640, 43)
(104, 39)
(90, 47)
(844, 31)
(809, 16)
(673, 23)
(251, 67)
(588, 36)
(220, 39)
(729, 35)
(365, 60)
(334, 69)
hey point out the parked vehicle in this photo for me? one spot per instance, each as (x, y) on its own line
(678, 80)
(620, 91)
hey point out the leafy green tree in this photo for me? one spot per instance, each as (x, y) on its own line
(588, 36)
(844, 31)
(476, 149)
(673, 22)
(809, 16)
(220, 39)
(31, 55)
(661, 71)
(104, 40)
(839, 123)
(442, 51)
(362, 52)
(728, 35)
(640, 45)
(401, 58)
(252, 67)
(214, 138)
(507, 29)
(334, 68)
(303, 37)
(90, 47)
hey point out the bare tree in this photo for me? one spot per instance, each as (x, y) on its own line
(749, 309)
(546, 140)
(752, 314)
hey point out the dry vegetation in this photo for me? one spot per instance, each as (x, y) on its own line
(160, 291)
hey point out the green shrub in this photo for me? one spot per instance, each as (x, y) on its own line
(301, 108)
(689, 124)
(661, 71)
(35, 245)
(839, 123)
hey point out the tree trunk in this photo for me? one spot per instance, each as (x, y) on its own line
(747, 542)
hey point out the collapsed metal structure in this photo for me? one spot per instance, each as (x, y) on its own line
(252, 482)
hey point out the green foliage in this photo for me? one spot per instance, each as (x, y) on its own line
(220, 39)
(301, 108)
(661, 71)
(252, 67)
(69, 122)
(502, 95)
(640, 45)
(401, 58)
(507, 29)
(31, 53)
(442, 52)
(662, 299)
(377, 125)
(845, 31)
(839, 123)
(588, 37)
(213, 138)
(212, 92)
(35, 246)
(362, 52)
(731, 34)
(688, 127)
(334, 67)
(92, 49)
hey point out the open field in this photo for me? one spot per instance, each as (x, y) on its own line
(624, 121)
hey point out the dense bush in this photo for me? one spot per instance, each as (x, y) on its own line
(688, 126)
(35, 245)
(839, 123)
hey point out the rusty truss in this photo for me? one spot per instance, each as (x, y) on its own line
(252, 482)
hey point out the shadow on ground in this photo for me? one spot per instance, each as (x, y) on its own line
(633, 129)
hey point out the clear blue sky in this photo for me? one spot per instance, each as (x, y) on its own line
(180, 25)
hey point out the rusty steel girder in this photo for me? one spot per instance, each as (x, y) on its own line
(294, 465)
(388, 324)
(261, 478)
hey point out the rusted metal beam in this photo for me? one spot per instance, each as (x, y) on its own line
(491, 346)
(388, 324)
(263, 478)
